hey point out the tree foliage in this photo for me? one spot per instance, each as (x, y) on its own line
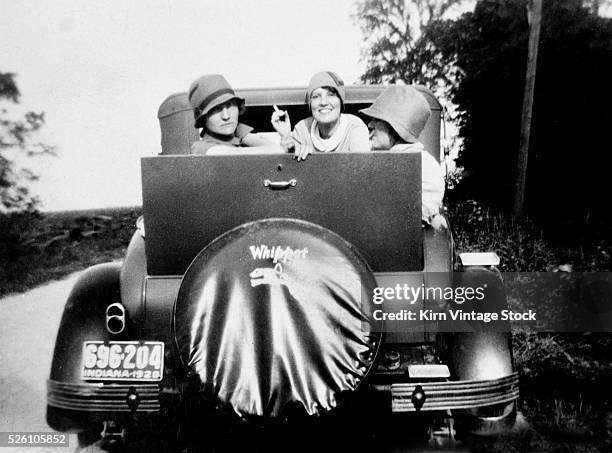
(571, 116)
(399, 44)
(17, 140)
(478, 62)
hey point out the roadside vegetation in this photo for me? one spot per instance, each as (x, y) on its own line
(38, 247)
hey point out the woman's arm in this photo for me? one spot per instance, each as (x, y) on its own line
(224, 150)
(255, 140)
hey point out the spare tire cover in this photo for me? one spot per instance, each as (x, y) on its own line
(274, 318)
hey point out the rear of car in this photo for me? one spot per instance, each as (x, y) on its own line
(255, 293)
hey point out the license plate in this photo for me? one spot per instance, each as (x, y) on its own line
(123, 361)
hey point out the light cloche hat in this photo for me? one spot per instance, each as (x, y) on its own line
(326, 79)
(404, 108)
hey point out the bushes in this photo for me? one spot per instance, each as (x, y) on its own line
(520, 246)
(16, 233)
(35, 247)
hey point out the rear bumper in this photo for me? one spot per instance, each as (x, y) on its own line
(97, 397)
(452, 394)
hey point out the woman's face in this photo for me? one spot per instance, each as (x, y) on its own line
(223, 119)
(381, 137)
(325, 105)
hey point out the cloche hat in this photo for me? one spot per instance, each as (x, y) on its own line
(326, 79)
(208, 92)
(404, 108)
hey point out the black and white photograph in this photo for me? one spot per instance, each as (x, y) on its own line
(305, 225)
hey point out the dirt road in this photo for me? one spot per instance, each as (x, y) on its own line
(28, 326)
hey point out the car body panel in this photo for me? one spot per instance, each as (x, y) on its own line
(373, 200)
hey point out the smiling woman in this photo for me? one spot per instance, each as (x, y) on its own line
(328, 129)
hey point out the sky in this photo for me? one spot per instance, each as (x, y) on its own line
(100, 70)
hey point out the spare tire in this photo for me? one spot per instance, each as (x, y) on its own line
(274, 318)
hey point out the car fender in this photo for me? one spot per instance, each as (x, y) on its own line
(484, 354)
(84, 319)
(487, 352)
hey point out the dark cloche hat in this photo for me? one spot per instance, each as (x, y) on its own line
(208, 92)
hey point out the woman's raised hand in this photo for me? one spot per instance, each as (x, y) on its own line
(281, 122)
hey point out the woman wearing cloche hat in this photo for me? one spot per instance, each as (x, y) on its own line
(328, 129)
(399, 115)
(216, 109)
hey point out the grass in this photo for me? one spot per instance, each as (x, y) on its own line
(523, 246)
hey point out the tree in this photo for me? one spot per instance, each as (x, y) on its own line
(566, 178)
(399, 44)
(17, 140)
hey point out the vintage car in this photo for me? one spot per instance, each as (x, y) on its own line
(263, 303)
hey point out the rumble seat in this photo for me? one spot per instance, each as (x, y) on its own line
(176, 117)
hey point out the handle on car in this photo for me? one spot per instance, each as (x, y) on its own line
(279, 185)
